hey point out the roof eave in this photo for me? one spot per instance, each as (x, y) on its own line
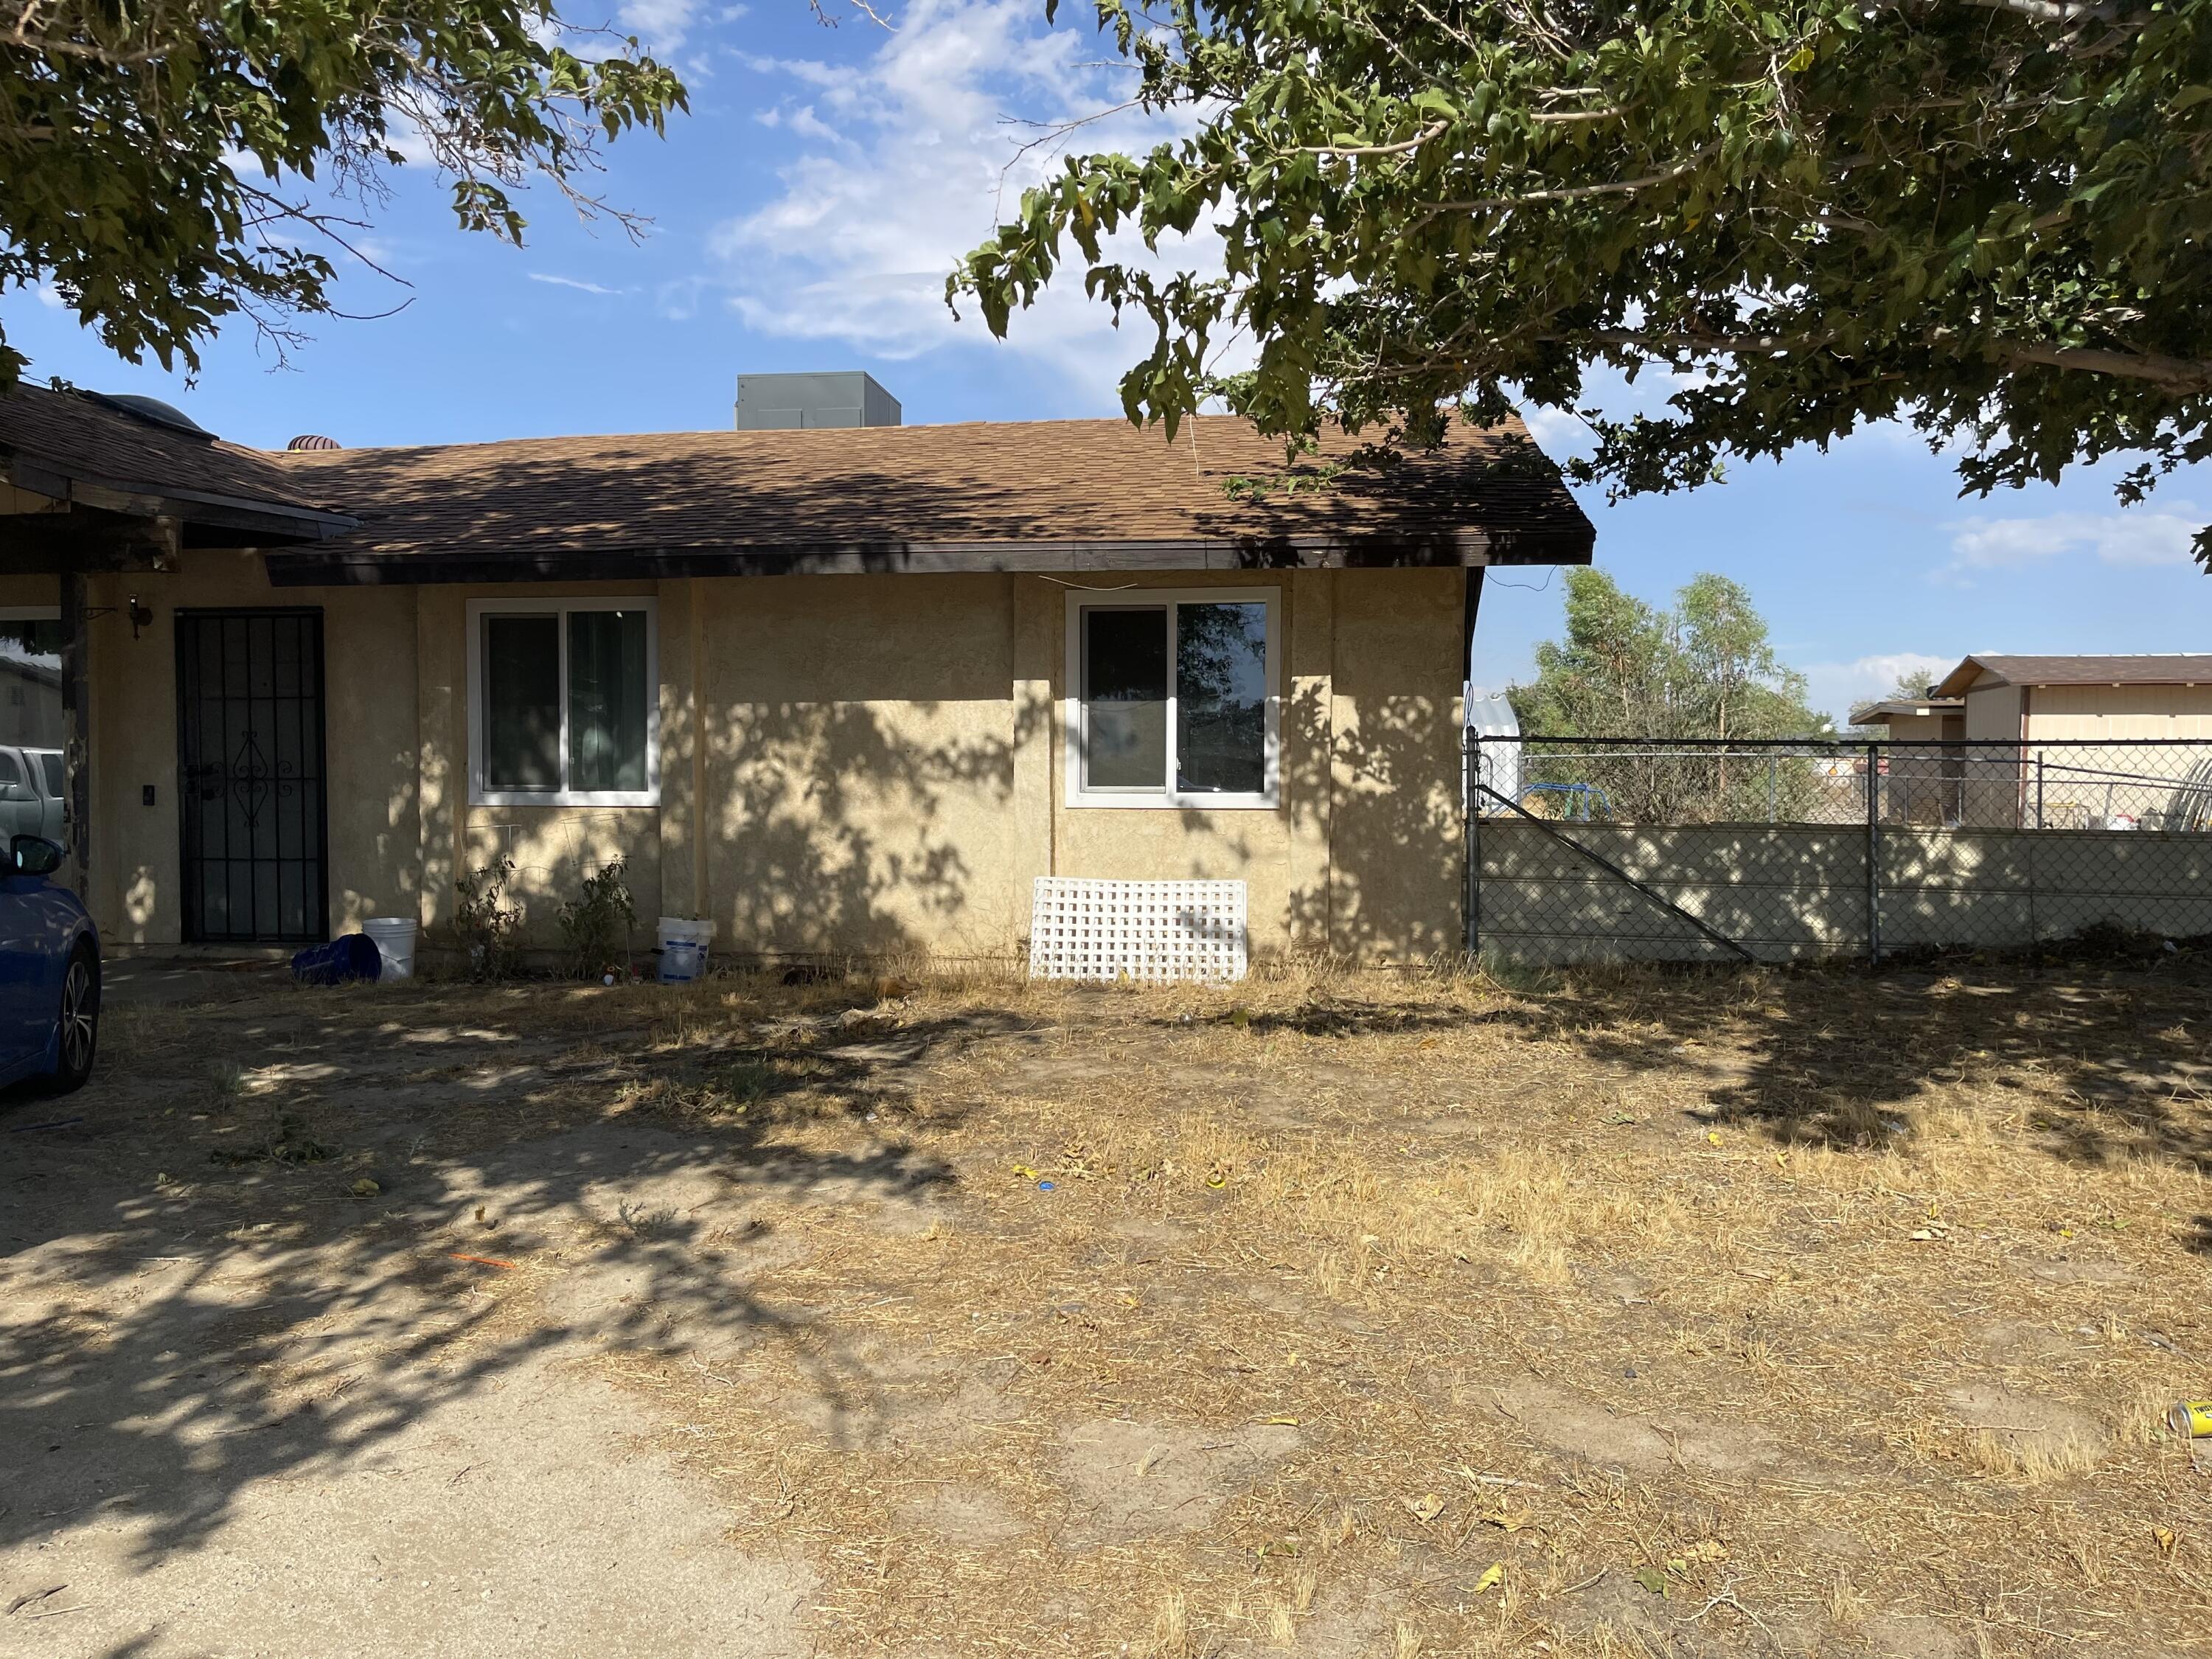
(259, 522)
(338, 566)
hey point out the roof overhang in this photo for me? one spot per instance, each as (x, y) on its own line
(105, 523)
(1898, 709)
(334, 566)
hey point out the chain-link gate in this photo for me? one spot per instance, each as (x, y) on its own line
(1668, 848)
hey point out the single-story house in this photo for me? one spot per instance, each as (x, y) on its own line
(835, 689)
(1930, 718)
(2034, 727)
(2051, 698)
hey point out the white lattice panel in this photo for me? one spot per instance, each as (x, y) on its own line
(1155, 931)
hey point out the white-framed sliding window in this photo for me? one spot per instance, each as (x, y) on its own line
(564, 703)
(1174, 697)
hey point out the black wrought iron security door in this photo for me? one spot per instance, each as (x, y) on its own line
(250, 750)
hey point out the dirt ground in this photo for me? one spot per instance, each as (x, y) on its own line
(1333, 1314)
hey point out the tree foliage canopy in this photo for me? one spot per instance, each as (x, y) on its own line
(151, 150)
(1987, 218)
(1703, 668)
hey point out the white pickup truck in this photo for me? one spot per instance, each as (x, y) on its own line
(30, 792)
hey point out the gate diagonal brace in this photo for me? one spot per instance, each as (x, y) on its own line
(1617, 872)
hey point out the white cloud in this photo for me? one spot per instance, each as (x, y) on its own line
(571, 281)
(911, 159)
(1837, 686)
(2119, 538)
(662, 25)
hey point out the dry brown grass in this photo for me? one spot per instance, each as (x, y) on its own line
(1760, 1308)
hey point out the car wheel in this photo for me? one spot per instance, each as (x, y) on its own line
(77, 1032)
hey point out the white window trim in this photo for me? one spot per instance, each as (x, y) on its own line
(1169, 798)
(480, 794)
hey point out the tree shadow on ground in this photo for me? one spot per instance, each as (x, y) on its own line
(2102, 1064)
(176, 1330)
(1345, 1018)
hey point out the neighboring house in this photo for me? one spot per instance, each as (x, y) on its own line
(1915, 719)
(2028, 704)
(2054, 697)
(837, 688)
(30, 694)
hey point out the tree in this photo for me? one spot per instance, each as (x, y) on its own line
(1986, 217)
(1703, 669)
(153, 153)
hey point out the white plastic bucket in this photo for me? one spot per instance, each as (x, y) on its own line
(395, 944)
(684, 949)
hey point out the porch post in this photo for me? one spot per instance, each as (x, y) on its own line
(76, 721)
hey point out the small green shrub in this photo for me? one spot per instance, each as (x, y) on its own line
(596, 925)
(484, 923)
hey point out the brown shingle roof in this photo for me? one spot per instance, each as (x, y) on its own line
(896, 495)
(65, 443)
(2170, 669)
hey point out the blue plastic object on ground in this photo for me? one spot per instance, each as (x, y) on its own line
(353, 957)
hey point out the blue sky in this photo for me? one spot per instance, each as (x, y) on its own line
(805, 215)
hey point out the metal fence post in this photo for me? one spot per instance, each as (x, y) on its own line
(1873, 851)
(1470, 794)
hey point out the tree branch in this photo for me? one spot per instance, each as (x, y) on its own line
(2175, 373)
(1576, 192)
(2052, 11)
(1435, 130)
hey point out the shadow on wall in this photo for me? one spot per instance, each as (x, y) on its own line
(554, 848)
(846, 826)
(169, 1340)
(837, 827)
(1389, 787)
(1789, 891)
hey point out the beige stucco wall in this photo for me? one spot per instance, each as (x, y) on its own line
(848, 764)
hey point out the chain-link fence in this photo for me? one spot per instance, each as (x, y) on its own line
(1590, 847)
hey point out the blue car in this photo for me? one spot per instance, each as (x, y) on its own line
(49, 971)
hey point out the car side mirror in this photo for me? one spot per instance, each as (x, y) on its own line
(34, 855)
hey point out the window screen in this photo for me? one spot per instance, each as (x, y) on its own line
(522, 702)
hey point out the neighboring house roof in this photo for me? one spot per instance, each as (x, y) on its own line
(1893, 709)
(2170, 669)
(37, 673)
(96, 453)
(1029, 496)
